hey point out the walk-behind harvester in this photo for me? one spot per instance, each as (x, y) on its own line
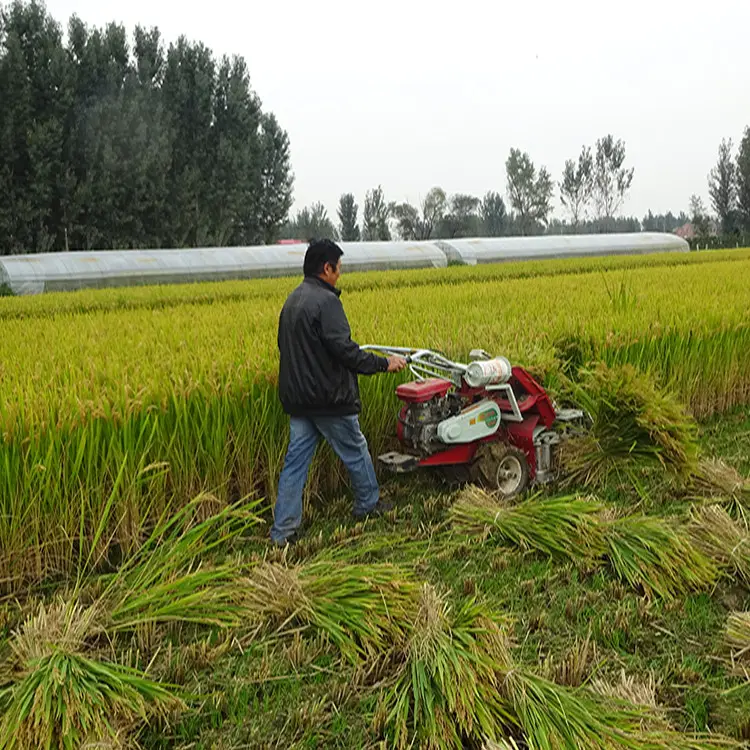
(487, 421)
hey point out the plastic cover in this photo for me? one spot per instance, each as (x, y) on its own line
(33, 274)
(498, 249)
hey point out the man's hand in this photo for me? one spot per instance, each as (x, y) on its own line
(396, 364)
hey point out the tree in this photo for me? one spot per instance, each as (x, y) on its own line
(107, 144)
(408, 224)
(577, 185)
(277, 179)
(375, 216)
(413, 226)
(699, 217)
(311, 223)
(743, 181)
(348, 218)
(612, 181)
(722, 187)
(530, 192)
(461, 220)
(667, 222)
(493, 215)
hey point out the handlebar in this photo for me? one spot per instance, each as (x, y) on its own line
(424, 362)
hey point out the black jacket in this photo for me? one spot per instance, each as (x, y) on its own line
(319, 361)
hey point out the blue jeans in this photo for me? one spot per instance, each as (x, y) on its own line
(344, 435)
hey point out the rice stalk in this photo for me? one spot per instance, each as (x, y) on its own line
(635, 425)
(658, 556)
(446, 692)
(553, 717)
(58, 697)
(168, 579)
(722, 539)
(563, 526)
(737, 634)
(361, 608)
(722, 483)
(102, 383)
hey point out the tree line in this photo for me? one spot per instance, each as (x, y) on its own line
(111, 142)
(107, 142)
(592, 190)
(729, 195)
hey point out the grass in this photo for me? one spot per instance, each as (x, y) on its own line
(562, 526)
(151, 393)
(666, 656)
(635, 424)
(381, 631)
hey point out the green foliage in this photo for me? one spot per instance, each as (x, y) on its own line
(348, 218)
(461, 218)
(311, 223)
(493, 214)
(635, 425)
(577, 185)
(529, 190)
(612, 180)
(722, 187)
(104, 144)
(375, 216)
(742, 172)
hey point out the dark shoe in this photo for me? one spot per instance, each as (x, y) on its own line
(381, 508)
(291, 540)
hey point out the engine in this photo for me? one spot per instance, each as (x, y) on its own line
(420, 420)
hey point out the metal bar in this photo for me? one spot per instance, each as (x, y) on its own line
(512, 400)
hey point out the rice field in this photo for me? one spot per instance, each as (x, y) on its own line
(141, 442)
(175, 397)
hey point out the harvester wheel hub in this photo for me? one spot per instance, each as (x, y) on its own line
(502, 468)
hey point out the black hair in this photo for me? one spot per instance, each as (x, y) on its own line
(320, 252)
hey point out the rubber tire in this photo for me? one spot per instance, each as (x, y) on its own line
(487, 462)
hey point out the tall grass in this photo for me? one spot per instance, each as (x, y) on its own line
(564, 526)
(651, 554)
(635, 425)
(360, 608)
(184, 396)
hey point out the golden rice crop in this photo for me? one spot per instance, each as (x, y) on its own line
(170, 295)
(179, 397)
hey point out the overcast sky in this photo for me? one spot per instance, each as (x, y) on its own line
(411, 94)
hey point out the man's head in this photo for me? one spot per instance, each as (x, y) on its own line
(323, 259)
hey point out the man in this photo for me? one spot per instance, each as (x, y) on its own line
(318, 388)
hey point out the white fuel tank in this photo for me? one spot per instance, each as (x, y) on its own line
(478, 421)
(488, 372)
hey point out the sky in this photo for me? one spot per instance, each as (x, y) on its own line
(411, 94)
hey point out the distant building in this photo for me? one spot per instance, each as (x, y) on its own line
(686, 231)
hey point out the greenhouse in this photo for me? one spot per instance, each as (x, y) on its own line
(498, 249)
(45, 272)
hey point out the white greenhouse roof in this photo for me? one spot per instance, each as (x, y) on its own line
(34, 274)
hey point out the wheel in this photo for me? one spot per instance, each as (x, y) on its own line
(501, 468)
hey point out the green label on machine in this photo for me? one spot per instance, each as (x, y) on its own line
(489, 416)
